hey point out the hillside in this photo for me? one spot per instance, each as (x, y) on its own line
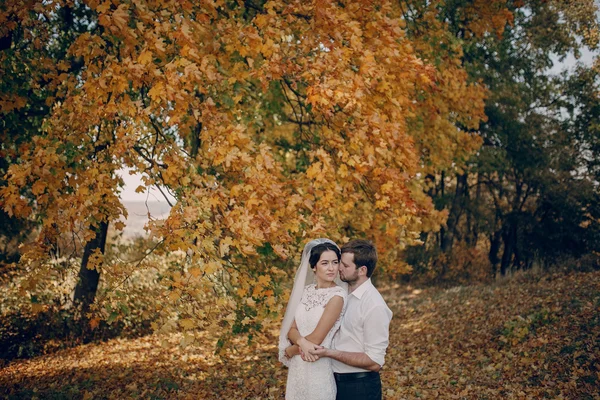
(528, 337)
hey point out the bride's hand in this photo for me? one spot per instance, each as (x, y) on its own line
(292, 351)
(307, 347)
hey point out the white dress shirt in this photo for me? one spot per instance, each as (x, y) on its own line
(364, 328)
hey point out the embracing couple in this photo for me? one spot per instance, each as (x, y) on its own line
(335, 331)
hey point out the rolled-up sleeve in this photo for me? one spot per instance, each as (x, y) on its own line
(376, 333)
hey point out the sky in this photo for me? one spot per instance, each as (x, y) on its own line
(587, 58)
(150, 195)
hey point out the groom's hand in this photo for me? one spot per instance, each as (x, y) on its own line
(316, 353)
(306, 349)
(320, 352)
(310, 357)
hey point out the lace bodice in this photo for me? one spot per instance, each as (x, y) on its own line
(311, 309)
(313, 380)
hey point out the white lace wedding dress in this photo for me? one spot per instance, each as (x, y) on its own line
(313, 380)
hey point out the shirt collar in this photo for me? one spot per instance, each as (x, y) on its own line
(359, 291)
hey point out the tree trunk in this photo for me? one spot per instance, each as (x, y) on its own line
(517, 260)
(195, 140)
(509, 238)
(473, 216)
(494, 248)
(458, 203)
(442, 235)
(87, 284)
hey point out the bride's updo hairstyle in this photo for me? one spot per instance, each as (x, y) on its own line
(315, 253)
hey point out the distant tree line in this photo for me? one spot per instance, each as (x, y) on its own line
(530, 195)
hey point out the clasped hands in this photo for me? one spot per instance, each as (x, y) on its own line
(309, 351)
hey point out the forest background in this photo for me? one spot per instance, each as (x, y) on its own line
(444, 131)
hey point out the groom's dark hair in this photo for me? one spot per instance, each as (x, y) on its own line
(315, 252)
(364, 254)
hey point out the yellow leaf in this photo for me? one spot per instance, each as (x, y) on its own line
(157, 91)
(224, 246)
(104, 7)
(145, 57)
(160, 44)
(264, 280)
(174, 295)
(187, 324)
(38, 188)
(280, 251)
(121, 16)
(212, 267)
(187, 339)
(195, 272)
(314, 170)
(260, 20)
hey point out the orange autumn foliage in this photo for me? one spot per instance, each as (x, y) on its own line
(271, 123)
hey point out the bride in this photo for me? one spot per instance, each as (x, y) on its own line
(312, 316)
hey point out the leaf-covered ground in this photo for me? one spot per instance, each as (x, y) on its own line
(528, 338)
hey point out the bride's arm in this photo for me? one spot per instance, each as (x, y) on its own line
(303, 344)
(292, 351)
(316, 337)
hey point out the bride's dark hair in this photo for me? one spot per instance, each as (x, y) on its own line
(315, 253)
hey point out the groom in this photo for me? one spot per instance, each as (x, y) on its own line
(359, 347)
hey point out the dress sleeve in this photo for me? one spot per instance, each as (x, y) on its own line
(337, 291)
(340, 291)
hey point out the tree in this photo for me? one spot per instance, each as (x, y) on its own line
(36, 60)
(271, 123)
(530, 154)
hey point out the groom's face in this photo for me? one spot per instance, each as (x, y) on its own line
(348, 270)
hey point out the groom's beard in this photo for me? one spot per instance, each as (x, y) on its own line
(349, 279)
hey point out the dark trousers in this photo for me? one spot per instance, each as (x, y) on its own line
(358, 386)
